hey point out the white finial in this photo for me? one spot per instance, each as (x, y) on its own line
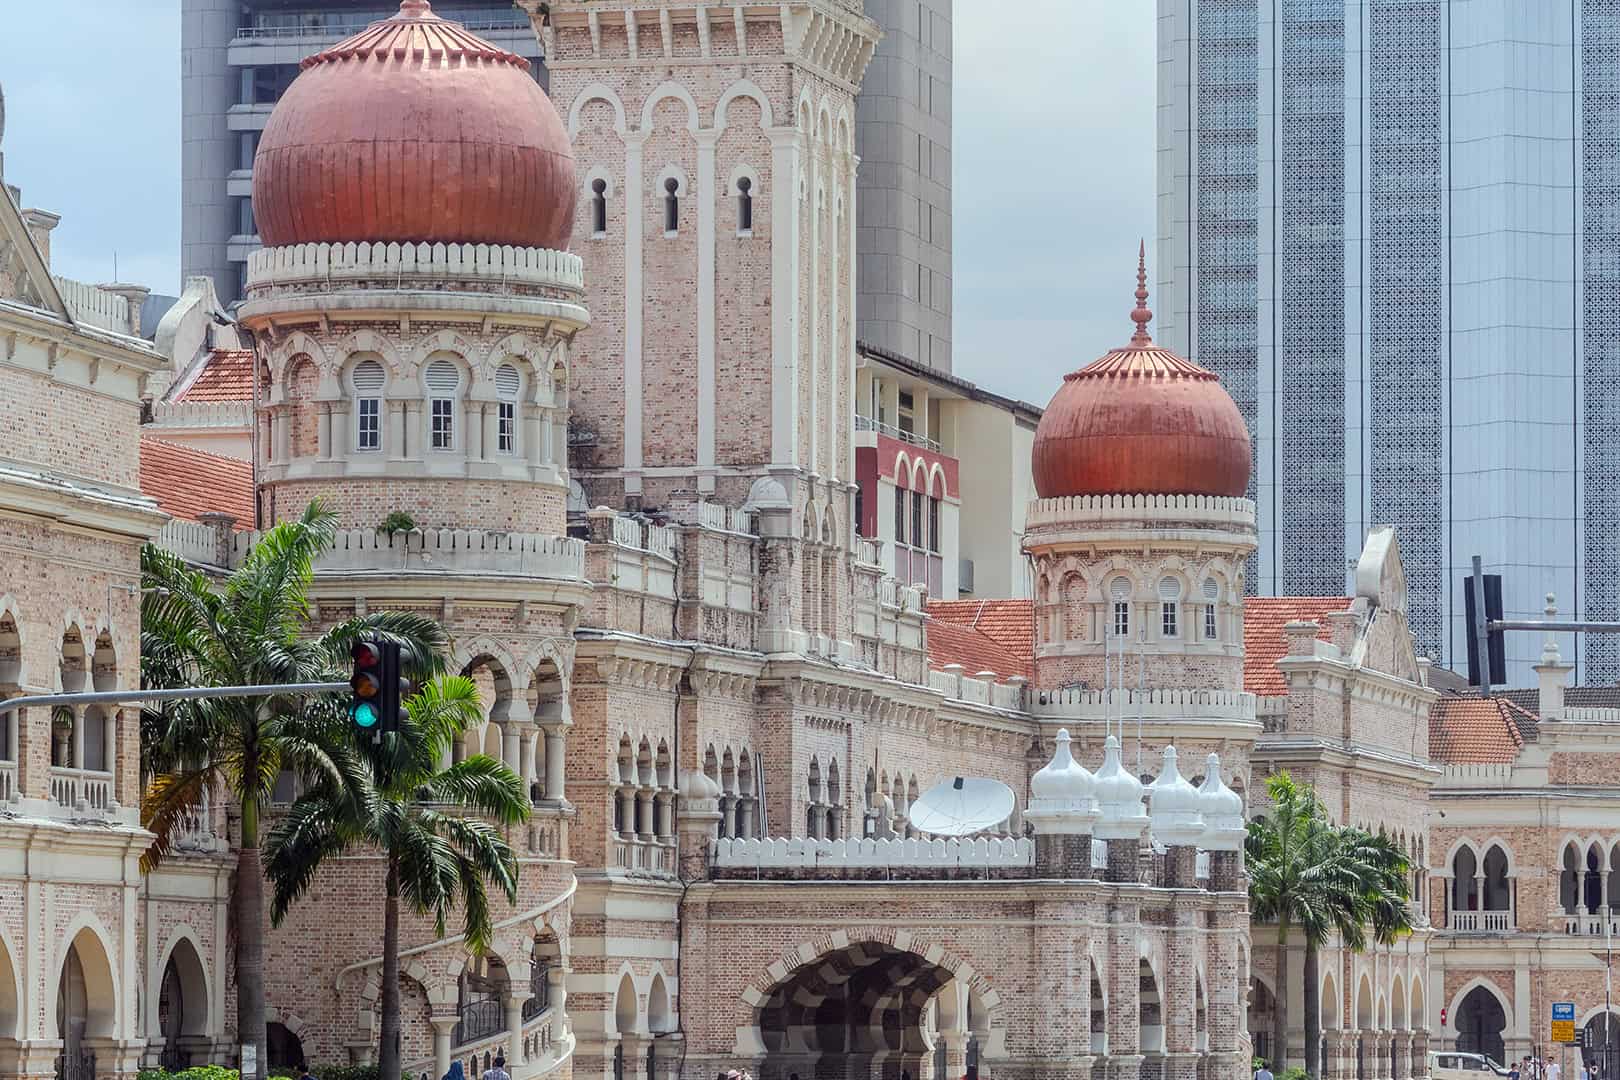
(1549, 647)
(1061, 794)
(1176, 808)
(1223, 811)
(1119, 795)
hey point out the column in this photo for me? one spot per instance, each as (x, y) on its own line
(489, 424)
(514, 1025)
(635, 200)
(559, 1003)
(627, 813)
(77, 735)
(1401, 1043)
(644, 821)
(323, 430)
(511, 744)
(397, 417)
(536, 440)
(555, 760)
(416, 438)
(443, 1028)
(706, 191)
(1418, 1062)
(1332, 1054)
(785, 281)
(109, 745)
(745, 817)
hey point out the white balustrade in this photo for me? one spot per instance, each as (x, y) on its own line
(445, 551)
(390, 265)
(644, 856)
(76, 789)
(1491, 922)
(8, 780)
(1136, 509)
(94, 307)
(792, 853)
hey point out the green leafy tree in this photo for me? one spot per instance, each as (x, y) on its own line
(250, 629)
(437, 826)
(1321, 879)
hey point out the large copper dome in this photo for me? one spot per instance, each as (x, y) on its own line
(1141, 421)
(415, 130)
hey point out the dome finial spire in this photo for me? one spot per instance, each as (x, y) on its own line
(415, 9)
(1142, 315)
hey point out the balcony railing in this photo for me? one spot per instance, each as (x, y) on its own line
(644, 855)
(1482, 922)
(8, 780)
(80, 789)
(866, 423)
(479, 1020)
(1605, 920)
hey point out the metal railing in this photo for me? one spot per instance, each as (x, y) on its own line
(539, 992)
(866, 423)
(479, 1020)
(79, 1065)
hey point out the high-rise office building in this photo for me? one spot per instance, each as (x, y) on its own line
(903, 214)
(1393, 228)
(237, 57)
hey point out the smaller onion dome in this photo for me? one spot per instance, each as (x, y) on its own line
(1175, 806)
(698, 789)
(1119, 796)
(1141, 421)
(1062, 799)
(1223, 811)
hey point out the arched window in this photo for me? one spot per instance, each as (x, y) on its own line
(745, 205)
(899, 513)
(918, 538)
(1212, 593)
(368, 379)
(599, 206)
(507, 384)
(1169, 597)
(1120, 593)
(933, 524)
(672, 205)
(443, 380)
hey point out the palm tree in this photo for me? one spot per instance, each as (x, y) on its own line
(249, 630)
(406, 806)
(1307, 873)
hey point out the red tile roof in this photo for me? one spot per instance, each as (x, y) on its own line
(976, 651)
(1009, 623)
(228, 376)
(187, 482)
(1263, 644)
(1466, 730)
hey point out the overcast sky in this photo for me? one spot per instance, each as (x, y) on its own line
(1053, 163)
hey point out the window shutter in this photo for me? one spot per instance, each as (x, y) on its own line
(507, 382)
(443, 379)
(1120, 589)
(1169, 589)
(369, 378)
(1212, 591)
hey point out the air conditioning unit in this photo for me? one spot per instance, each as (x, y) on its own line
(964, 576)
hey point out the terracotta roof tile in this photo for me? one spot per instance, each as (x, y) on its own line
(1263, 645)
(976, 651)
(187, 482)
(1009, 623)
(1471, 730)
(228, 376)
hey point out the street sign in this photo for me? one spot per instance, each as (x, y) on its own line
(1563, 1021)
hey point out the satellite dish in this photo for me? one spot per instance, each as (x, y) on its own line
(962, 807)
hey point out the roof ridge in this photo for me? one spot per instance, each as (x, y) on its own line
(145, 438)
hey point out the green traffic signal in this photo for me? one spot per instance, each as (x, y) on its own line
(364, 715)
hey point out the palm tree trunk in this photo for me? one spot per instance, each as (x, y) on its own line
(388, 1051)
(1313, 1009)
(250, 1024)
(1279, 1011)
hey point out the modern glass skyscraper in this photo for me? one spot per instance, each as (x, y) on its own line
(1392, 227)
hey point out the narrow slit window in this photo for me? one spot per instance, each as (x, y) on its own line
(1169, 607)
(507, 385)
(1210, 630)
(599, 206)
(672, 205)
(933, 525)
(899, 515)
(368, 386)
(917, 537)
(745, 205)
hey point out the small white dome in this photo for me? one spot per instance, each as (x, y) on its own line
(767, 493)
(697, 787)
(1222, 808)
(1176, 806)
(1119, 795)
(1061, 794)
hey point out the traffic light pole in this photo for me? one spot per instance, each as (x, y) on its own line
(1484, 628)
(119, 697)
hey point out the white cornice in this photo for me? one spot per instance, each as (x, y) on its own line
(79, 503)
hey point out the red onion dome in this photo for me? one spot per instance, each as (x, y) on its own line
(1141, 421)
(415, 131)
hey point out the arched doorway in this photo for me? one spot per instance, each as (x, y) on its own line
(855, 1011)
(1603, 1043)
(1480, 1023)
(283, 1049)
(1262, 1013)
(85, 1005)
(182, 1010)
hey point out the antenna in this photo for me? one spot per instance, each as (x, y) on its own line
(962, 806)
(1141, 685)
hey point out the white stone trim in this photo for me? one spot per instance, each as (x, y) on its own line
(327, 263)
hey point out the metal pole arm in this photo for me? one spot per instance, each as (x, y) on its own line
(1555, 626)
(106, 697)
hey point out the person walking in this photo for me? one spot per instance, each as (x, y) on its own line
(456, 1072)
(497, 1071)
(1263, 1073)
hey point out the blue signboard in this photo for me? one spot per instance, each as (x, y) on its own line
(1563, 1010)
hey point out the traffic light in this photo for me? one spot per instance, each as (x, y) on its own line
(395, 688)
(367, 685)
(1495, 646)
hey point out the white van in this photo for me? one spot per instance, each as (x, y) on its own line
(1456, 1065)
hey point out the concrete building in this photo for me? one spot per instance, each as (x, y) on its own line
(1389, 228)
(943, 472)
(237, 57)
(903, 138)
